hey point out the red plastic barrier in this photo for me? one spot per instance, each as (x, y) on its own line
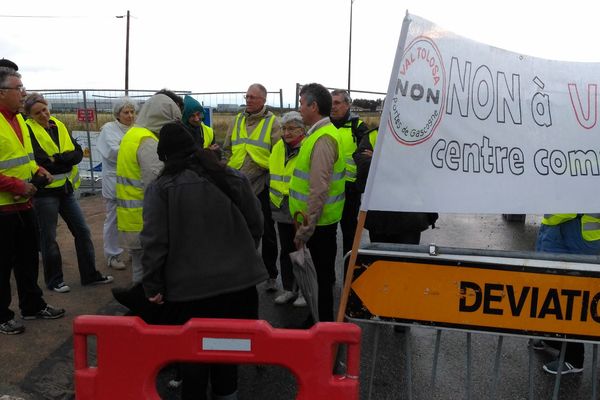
(131, 353)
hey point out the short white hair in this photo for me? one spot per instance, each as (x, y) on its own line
(121, 103)
(292, 117)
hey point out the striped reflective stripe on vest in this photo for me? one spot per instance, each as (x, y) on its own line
(350, 173)
(303, 197)
(260, 142)
(306, 175)
(275, 192)
(592, 225)
(15, 162)
(280, 178)
(130, 203)
(130, 182)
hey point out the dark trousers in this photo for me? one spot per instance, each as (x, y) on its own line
(19, 253)
(323, 249)
(349, 216)
(286, 242)
(574, 353)
(242, 304)
(269, 239)
(47, 209)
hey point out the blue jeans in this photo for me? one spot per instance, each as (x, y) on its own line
(47, 209)
(566, 238)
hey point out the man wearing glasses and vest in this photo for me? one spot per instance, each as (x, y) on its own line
(248, 147)
(351, 129)
(18, 229)
(317, 189)
(568, 234)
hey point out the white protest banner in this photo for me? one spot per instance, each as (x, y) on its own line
(470, 128)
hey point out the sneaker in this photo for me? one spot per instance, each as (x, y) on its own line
(271, 285)
(48, 312)
(174, 383)
(61, 288)
(537, 344)
(568, 368)
(300, 301)
(115, 263)
(100, 280)
(285, 297)
(11, 327)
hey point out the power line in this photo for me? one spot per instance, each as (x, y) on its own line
(52, 16)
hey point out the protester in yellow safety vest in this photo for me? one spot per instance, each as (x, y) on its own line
(351, 129)
(108, 144)
(317, 190)
(247, 148)
(568, 234)
(193, 115)
(137, 166)
(59, 154)
(19, 175)
(281, 165)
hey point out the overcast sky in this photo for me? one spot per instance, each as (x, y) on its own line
(223, 45)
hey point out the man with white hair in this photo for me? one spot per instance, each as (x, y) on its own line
(247, 147)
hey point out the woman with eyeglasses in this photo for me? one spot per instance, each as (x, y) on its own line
(56, 151)
(281, 166)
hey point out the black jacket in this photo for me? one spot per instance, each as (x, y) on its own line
(198, 241)
(63, 162)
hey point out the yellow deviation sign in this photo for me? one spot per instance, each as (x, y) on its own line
(482, 297)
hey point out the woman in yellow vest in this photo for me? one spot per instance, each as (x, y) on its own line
(281, 166)
(57, 152)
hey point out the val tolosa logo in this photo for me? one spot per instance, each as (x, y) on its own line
(420, 93)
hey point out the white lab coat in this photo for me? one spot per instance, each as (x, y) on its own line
(108, 145)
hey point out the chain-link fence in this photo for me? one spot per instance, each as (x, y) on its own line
(85, 111)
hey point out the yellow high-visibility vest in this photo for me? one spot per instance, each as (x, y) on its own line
(209, 135)
(373, 138)
(349, 147)
(257, 145)
(130, 188)
(590, 223)
(51, 148)
(16, 158)
(300, 186)
(280, 173)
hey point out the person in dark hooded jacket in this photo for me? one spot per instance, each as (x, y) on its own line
(195, 197)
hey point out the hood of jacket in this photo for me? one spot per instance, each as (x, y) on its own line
(156, 112)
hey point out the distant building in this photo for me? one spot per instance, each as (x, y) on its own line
(229, 107)
(358, 109)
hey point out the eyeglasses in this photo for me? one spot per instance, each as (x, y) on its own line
(252, 97)
(19, 88)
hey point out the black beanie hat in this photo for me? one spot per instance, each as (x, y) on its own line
(175, 141)
(8, 64)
